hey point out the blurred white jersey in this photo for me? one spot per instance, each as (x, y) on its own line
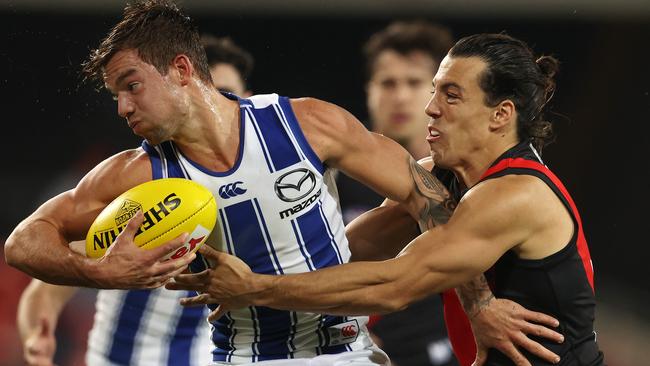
(148, 327)
(278, 211)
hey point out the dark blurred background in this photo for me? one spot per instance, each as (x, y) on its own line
(55, 128)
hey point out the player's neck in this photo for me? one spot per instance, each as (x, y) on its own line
(472, 167)
(211, 135)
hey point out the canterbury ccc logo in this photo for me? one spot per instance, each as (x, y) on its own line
(349, 331)
(231, 190)
(295, 185)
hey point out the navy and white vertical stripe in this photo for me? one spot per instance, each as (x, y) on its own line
(147, 327)
(283, 218)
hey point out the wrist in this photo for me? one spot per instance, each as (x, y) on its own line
(93, 272)
(480, 305)
(264, 286)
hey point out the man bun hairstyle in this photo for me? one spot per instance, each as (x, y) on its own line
(514, 73)
(158, 31)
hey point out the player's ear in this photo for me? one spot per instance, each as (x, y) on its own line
(183, 67)
(503, 114)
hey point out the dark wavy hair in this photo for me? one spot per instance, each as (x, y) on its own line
(405, 37)
(158, 31)
(513, 72)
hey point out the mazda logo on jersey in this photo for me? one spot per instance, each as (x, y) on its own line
(295, 185)
(231, 190)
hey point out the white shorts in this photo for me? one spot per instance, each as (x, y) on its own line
(368, 357)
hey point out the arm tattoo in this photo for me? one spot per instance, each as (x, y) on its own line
(475, 296)
(435, 204)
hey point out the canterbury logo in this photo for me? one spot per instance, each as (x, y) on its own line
(231, 190)
(349, 331)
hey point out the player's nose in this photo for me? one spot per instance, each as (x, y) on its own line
(124, 106)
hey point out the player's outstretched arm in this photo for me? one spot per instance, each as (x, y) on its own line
(342, 142)
(443, 257)
(39, 244)
(38, 312)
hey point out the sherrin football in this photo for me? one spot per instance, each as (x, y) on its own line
(171, 206)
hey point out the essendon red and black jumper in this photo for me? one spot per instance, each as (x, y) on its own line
(560, 285)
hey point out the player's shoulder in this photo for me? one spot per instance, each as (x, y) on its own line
(517, 195)
(125, 162)
(317, 110)
(118, 173)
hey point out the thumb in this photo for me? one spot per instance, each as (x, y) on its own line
(481, 356)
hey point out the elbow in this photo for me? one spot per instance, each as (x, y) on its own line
(12, 252)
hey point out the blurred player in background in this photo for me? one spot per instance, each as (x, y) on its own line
(401, 60)
(230, 65)
(41, 303)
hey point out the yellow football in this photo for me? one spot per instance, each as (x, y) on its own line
(171, 206)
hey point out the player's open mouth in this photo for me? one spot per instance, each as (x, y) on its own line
(433, 135)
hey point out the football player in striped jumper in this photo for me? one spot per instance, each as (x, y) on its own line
(161, 333)
(267, 160)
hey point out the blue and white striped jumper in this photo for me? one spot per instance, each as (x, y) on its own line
(148, 328)
(278, 212)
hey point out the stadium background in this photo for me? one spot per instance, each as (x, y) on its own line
(55, 128)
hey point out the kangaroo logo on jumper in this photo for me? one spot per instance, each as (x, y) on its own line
(231, 190)
(126, 211)
(295, 185)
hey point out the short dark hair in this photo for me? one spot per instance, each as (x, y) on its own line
(223, 50)
(405, 37)
(513, 72)
(158, 31)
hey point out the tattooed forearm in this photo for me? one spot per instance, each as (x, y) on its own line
(475, 296)
(435, 204)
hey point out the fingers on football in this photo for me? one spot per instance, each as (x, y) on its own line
(537, 349)
(133, 225)
(170, 269)
(172, 245)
